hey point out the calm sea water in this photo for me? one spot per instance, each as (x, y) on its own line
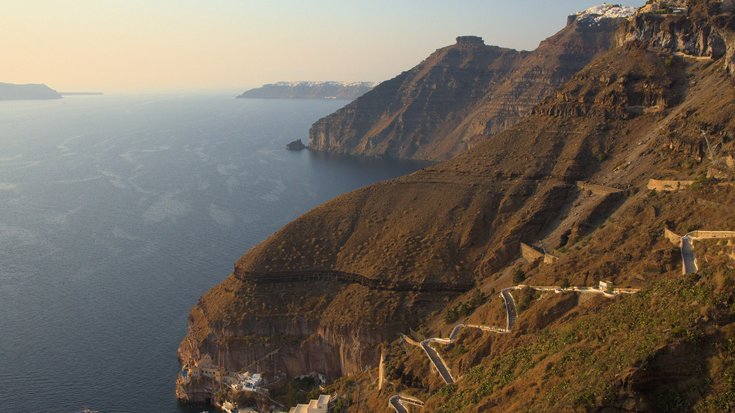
(117, 213)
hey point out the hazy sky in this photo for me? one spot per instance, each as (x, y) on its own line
(132, 46)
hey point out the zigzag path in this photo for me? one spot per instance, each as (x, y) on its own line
(397, 402)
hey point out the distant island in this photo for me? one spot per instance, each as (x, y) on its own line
(81, 93)
(9, 91)
(309, 90)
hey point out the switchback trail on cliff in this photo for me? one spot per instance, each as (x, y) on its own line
(399, 402)
(511, 314)
(686, 245)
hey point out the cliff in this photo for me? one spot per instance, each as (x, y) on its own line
(331, 289)
(460, 95)
(308, 90)
(9, 91)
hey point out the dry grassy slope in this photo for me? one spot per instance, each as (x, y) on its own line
(644, 259)
(670, 348)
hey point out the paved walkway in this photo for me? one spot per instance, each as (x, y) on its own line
(511, 315)
(399, 403)
(686, 245)
(510, 309)
(689, 261)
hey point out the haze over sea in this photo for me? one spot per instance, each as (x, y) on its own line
(117, 213)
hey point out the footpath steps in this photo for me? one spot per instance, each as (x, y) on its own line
(400, 403)
(511, 315)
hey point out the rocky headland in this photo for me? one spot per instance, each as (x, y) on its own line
(460, 95)
(333, 291)
(9, 91)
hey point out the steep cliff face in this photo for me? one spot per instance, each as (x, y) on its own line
(409, 115)
(459, 95)
(328, 290)
(698, 29)
(543, 71)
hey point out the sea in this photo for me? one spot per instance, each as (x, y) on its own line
(118, 212)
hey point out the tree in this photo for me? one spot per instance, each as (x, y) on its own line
(518, 275)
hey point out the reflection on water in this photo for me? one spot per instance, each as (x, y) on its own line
(117, 213)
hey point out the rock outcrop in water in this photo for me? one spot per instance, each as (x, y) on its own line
(459, 95)
(332, 288)
(9, 91)
(296, 145)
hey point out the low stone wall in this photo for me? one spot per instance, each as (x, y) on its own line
(697, 235)
(668, 185)
(598, 189)
(532, 254)
(672, 237)
(550, 259)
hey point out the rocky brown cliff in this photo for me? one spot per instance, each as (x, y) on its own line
(459, 95)
(330, 289)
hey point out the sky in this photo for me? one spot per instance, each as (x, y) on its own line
(161, 46)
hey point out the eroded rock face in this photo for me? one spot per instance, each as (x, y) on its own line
(408, 115)
(324, 292)
(459, 95)
(703, 29)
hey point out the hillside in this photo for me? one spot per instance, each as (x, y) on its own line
(308, 90)
(9, 91)
(332, 289)
(460, 95)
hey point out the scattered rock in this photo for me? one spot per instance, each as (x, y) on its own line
(296, 145)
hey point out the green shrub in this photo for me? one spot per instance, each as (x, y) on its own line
(518, 275)
(465, 308)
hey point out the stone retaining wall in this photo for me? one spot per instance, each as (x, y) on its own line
(598, 189)
(672, 237)
(697, 235)
(532, 254)
(661, 185)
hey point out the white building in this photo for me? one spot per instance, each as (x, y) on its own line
(245, 381)
(321, 405)
(606, 286)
